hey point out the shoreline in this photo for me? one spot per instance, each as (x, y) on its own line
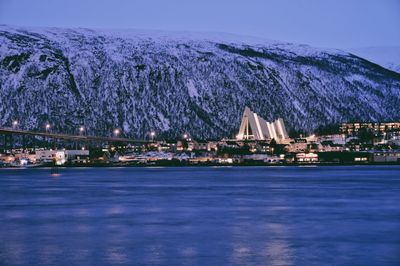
(116, 165)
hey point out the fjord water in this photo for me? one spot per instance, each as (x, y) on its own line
(201, 216)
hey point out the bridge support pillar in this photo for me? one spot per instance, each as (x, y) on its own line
(23, 142)
(3, 146)
(8, 142)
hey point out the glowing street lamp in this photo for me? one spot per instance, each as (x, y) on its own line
(116, 132)
(81, 130)
(185, 136)
(47, 127)
(14, 124)
(152, 135)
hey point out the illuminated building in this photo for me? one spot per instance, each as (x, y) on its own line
(352, 128)
(253, 127)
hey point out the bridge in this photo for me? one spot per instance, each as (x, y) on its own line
(12, 131)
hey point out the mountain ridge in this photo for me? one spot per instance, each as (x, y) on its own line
(388, 57)
(70, 77)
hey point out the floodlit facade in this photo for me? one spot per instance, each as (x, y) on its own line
(253, 127)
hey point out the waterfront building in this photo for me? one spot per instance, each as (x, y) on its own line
(264, 158)
(50, 156)
(60, 157)
(307, 157)
(353, 128)
(224, 160)
(7, 158)
(206, 158)
(230, 144)
(200, 145)
(298, 145)
(77, 156)
(166, 147)
(212, 146)
(330, 146)
(254, 127)
(25, 156)
(392, 156)
(361, 158)
(335, 139)
(263, 147)
(185, 145)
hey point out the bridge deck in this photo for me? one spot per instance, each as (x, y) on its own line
(68, 137)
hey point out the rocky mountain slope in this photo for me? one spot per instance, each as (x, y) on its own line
(143, 81)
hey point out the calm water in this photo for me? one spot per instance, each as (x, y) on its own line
(201, 216)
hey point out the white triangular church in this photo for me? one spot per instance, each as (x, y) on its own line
(253, 127)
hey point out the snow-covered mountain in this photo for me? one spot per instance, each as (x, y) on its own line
(174, 83)
(388, 57)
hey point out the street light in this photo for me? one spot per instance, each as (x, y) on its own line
(14, 124)
(47, 127)
(185, 136)
(81, 130)
(116, 132)
(152, 135)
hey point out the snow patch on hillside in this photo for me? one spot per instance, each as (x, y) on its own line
(192, 89)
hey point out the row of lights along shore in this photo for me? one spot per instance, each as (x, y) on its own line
(116, 131)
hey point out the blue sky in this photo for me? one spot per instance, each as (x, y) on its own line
(324, 23)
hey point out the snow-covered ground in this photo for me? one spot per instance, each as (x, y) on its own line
(142, 81)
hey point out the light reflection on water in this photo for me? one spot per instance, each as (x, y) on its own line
(278, 249)
(116, 255)
(201, 216)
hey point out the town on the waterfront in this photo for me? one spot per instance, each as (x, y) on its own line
(258, 142)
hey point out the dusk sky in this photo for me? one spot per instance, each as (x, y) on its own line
(329, 23)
